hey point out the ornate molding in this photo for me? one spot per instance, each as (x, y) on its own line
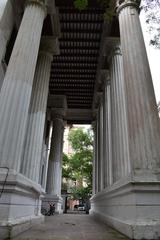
(57, 105)
(42, 3)
(120, 4)
(49, 45)
(112, 48)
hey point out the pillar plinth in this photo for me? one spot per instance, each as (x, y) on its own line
(37, 111)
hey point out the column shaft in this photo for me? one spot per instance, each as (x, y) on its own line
(16, 90)
(94, 159)
(101, 147)
(36, 118)
(141, 108)
(109, 141)
(97, 154)
(120, 153)
(6, 26)
(55, 159)
(107, 137)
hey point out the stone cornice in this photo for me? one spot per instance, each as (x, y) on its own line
(120, 4)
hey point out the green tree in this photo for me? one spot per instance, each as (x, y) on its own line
(78, 166)
(108, 5)
(152, 12)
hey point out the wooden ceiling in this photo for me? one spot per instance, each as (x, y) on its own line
(73, 72)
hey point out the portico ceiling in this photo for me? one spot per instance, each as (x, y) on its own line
(74, 71)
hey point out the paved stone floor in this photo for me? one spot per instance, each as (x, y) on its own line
(71, 227)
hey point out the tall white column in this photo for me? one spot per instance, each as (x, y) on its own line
(109, 135)
(97, 152)
(94, 175)
(6, 26)
(37, 111)
(141, 108)
(55, 159)
(120, 153)
(101, 146)
(16, 90)
(107, 150)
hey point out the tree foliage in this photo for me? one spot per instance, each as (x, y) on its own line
(152, 10)
(78, 166)
(108, 5)
(151, 7)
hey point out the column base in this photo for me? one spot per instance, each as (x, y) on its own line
(20, 204)
(131, 207)
(53, 198)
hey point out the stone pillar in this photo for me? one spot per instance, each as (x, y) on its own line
(37, 111)
(100, 146)
(54, 177)
(55, 159)
(16, 90)
(20, 203)
(94, 175)
(107, 150)
(131, 204)
(6, 25)
(120, 149)
(98, 150)
(141, 108)
(109, 135)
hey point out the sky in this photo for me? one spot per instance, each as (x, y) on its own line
(153, 57)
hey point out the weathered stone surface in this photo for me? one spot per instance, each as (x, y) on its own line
(37, 111)
(16, 90)
(70, 226)
(6, 26)
(132, 208)
(141, 108)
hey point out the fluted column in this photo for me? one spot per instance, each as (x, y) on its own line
(107, 166)
(6, 26)
(120, 153)
(97, 153)
(16, 90)
(109, 136)
(37, 112)
(55, 159)
(101, 146)
(141, 108)
(94, 175)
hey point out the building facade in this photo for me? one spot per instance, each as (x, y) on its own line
(58, 64)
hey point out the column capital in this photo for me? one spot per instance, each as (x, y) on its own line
(56, 115)
(105, 76)
(41, 3)
(112, 47)
(94, 125)
(120, 4)
(50, 46)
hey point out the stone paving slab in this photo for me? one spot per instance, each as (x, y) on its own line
(71, 227)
